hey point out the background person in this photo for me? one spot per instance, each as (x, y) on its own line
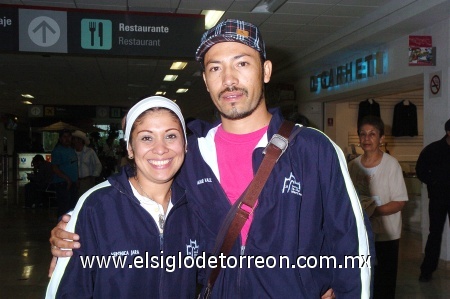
(65, 169)
(128, 214)
(109, 156)
(89, 166)
(379, 176)
(39, 180)
(433, 169)
(122, 153)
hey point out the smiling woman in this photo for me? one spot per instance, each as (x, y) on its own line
(128, 215)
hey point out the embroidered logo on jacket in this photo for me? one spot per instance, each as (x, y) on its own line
(205, 180)
(192, 248)
(125, 252)
(291, 185)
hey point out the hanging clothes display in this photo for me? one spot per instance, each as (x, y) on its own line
(368, 107)
(405, 119)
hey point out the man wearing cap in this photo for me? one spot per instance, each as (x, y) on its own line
(308, 208)
(433, 169)
(65, 169)
(89, 166)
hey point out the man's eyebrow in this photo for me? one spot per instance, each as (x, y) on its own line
(234, 58)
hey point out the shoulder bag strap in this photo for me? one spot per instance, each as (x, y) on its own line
(246, 203)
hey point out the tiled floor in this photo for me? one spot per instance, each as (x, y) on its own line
(25, 253)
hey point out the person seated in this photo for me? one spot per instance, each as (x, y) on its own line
(42, 176)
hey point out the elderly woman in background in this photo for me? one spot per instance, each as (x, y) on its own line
(378, 179)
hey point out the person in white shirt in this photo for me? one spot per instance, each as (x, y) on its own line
(378, 178)
(89, 166)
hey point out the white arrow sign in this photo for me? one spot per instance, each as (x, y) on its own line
(44, 31)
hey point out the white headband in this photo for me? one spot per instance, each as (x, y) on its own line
(148, 103)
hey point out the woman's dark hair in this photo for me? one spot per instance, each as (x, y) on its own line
(139, 118)
(154, 109)
(373, 121)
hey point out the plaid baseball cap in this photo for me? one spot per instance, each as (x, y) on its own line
(231, 31)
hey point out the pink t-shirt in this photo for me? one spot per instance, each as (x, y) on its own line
(234, 157)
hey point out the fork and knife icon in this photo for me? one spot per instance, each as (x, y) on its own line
(93, 28)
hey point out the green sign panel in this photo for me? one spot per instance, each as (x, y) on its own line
(96, 34)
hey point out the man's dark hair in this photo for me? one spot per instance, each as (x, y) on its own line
(62, 132)
(38, 158)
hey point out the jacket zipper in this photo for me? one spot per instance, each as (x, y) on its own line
(161, 273)
(161, 246)
(161, 240)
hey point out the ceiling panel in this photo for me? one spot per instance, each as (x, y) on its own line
(245, 6)
(297, 19)
(291, 34)
(122, 3)
(206, 4)
(349, 10)
(304, 8)
(276, 27)
(336, 21)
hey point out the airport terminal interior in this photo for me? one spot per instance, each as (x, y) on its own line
(329, 57)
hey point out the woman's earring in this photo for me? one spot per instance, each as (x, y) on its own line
(130, 157)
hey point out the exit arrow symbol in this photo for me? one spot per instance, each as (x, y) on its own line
(44, 26)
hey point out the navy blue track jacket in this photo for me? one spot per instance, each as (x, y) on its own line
(308, 208)
(111, 222)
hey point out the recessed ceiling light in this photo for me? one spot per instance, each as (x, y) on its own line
(27, 102)
(170, 77)
(178, 65)
(268, 6)
(212, 17)
(26, 95)
(182, 90)
(160, 93)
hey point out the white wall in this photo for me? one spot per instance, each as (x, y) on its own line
(436, 109)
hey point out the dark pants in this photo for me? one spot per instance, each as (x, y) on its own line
(386, 269)
(34, 193)
(66, 198)
(437, 212)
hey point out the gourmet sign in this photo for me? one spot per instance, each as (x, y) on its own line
(361, 68)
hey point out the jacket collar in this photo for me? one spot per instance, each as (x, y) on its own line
(201, 128)
(121, 183)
